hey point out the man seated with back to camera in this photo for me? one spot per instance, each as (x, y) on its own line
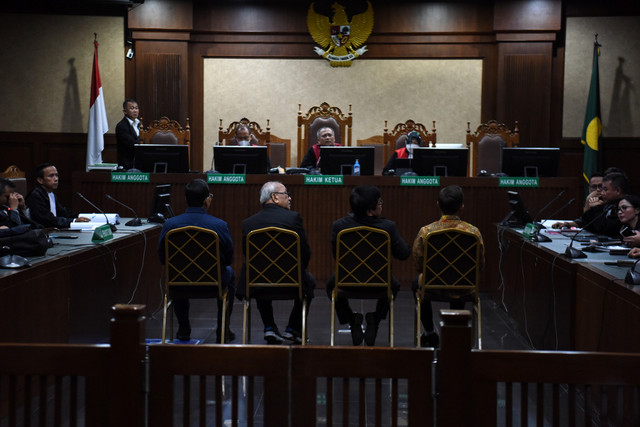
(601, 218)
(276, 212)
(413, 141)
(451, 204)
(13, 209)
(366, 210)
(198, 202)
(325, 137)
(43, 203)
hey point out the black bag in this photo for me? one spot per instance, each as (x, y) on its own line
(21, 240)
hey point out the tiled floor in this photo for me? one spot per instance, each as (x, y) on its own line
(498, 329)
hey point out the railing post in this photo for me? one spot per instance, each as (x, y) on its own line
(126, 370)
(454, 401)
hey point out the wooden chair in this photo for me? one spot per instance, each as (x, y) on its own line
(278, 149)
(486, 144)
(318, 117)
(451, 270)
(397, 138)
(12, 171)
(273, 271)
(166, 131)
(193, 270)
(363, 269)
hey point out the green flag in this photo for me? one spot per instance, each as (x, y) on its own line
(592, 128)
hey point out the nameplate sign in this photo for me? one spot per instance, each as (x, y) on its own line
(102, 233)
(420, 181)
(323, 179)
(129, 177)
(224, 178)
(518, 181)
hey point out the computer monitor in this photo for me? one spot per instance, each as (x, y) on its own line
(161, 158)
(340, 160)
(518, 215)
(160, 208)
(530, 161)
(440, 161)
(240, 159)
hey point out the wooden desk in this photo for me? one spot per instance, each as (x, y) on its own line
(410, 207)
(564, 304)
(67, 295)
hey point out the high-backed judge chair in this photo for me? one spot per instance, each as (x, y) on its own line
(486, 144)
(397, 137)
(451, 271)
(166, 131)
(318, 117)
(193, 270)
(273, 271)
(278, 149)
(363, 269)
(17, 176)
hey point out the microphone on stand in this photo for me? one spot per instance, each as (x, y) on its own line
(541, 237)
(131, 223)
(572, 252)
(535, 221)
(632, 277)
(112, 226)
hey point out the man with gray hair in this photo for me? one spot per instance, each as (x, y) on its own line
(324, 136)
(276, 212)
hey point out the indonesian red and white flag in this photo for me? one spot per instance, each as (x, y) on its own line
(98, 124)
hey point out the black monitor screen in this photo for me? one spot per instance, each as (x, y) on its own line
(440, 161)
(340, 160)
(240, 159)
(530, 161)
(518, 215)
(161, 204)
(161, 158)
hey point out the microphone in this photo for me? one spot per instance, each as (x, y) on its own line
(133, 222)
(632, 277)
(112, 226)
(535, 221)
(572, 252)
(541, 237)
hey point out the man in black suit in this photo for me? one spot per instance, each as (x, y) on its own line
(276, 212)
(366, 210)
(128, 133)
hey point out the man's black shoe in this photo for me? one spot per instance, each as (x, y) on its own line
(356, 329)
(272, 336)
(430, 340)
(372, 329)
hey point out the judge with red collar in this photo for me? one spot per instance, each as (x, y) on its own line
(413, 141)
(325, 136)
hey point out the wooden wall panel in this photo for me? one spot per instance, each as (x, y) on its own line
(161, 85)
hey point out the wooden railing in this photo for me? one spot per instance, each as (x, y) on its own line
(42, 384)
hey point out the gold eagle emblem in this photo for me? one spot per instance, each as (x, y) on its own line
(339, 39)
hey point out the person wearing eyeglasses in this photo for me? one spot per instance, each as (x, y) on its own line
(198, 202)
(366, 210)
(628, 211)
(242, 136)
(276, 212)
(325, 136)
(595, 186)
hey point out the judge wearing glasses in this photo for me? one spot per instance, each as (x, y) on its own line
(276, 212)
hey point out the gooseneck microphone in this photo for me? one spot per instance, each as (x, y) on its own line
(537, 217)
(563, 207)
(112, 226)
(632, 277)
(133, 222)
(572, 252)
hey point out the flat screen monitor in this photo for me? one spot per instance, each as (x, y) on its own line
(340, 160)
(160, 208)
(440, 161)
(161, 158)
(518, 215)
(240, 160)
(530, 161)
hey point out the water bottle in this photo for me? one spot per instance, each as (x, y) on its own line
(356, 168)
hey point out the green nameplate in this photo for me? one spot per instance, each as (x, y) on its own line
(529, 231)
(102, 233)
(420, 181)
(129, 177)
(226, 178)
(518, 181)
(323, 179)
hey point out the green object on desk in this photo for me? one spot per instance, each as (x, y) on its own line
(102, 233)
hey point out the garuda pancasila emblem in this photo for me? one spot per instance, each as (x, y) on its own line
(340, 40)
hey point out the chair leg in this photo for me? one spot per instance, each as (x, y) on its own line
(224, 318)
(416, 325)
(391, 322)
(333, 316)
(304, 322)
(164, 320)
(244, 321)
(479, 323)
